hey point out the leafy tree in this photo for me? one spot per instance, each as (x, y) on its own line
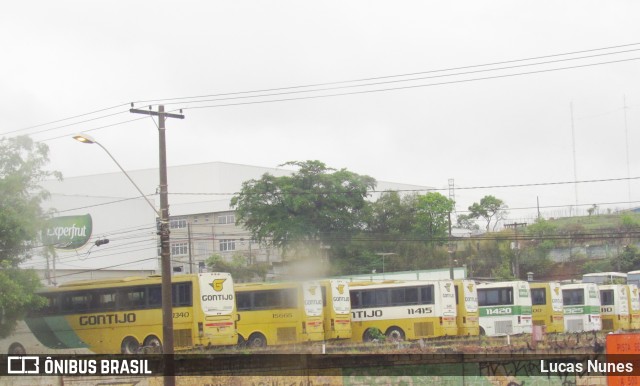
(490, 209)
(600, 265)
(315, 205)
(432, 215)
(465, 221)
(392, 214)
(238, 268)
(21, 219)
(629, 221)
(629, 259)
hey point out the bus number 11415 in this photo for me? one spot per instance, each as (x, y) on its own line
(419, 311)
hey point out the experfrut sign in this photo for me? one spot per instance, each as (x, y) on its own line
(68, 232)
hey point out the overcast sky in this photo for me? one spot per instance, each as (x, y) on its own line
(482, 128)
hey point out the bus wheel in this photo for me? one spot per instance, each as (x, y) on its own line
(395, 334)
(257, 340)
(482, 332)
(153, 345)
(130, 345)
(371, 335)
(17, 349)
(241, 341)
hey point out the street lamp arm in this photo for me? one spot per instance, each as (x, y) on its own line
(86, 139)
(130, 179)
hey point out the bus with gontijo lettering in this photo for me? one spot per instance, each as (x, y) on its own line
(505, 308)
(279, 313)
(336, 309)
(581, 303)
(125, 315)
(467, 319)
(547, 307)
(399, 310)
(614, 307)
(634, 307)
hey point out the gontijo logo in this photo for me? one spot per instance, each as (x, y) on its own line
(216, 284)
(470, 287)
(340, 288)
(312, 289)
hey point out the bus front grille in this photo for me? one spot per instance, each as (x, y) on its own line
(504, 327)
(538, 322)
(182, 338)
(287, 334)
(423, 329)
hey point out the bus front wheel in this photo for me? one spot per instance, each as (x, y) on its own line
(371, 335)
(17, 349)
(153, 345)
(395, 334)
(257, 340)
(130, 345)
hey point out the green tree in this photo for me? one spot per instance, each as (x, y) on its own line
(432, 215)
(316, 205)
(238, 268)
(465, 221)
(392, 215)
(21, 218)
(490, 209)
(629, 259)
(600, 265)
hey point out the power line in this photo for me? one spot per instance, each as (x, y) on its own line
(407, 87)
(64, 119)
(398, 81)
(353, 81)
(387, 76)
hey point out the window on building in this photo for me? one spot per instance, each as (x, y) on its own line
(178, 249)
(227, 245)
(203, 248)
(178, 222)
(226, 219)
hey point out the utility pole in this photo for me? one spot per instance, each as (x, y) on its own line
(516, 268)
(165, 246)
(189, 247)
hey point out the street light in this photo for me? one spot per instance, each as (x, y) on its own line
(86, 138)
(163, 215)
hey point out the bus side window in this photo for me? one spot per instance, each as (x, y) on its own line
(290, 298)
(538, 296)
(75, 302)
(426, 294)
(154, 294)
(107, 300)
(368, 298)
(260, 299)
(52, 305)
(356, 301)
(243, 301)
(181, 293)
